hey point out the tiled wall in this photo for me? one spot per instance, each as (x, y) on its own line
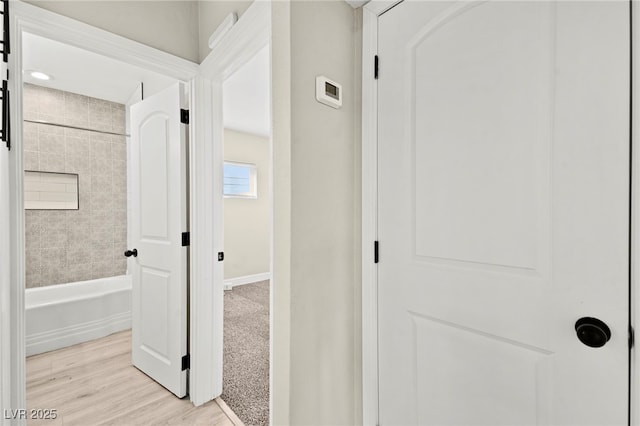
(74, 245)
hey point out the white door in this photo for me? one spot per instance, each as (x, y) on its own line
(503, 212)
(159, 190)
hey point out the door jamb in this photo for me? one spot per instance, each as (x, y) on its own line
(370, 14)
(370, 390)
(27, 18)
(251, 33)
(634, 285)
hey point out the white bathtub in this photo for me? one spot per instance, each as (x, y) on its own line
(63, 315)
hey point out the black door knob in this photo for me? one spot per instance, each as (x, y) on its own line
(130, 253)
(592, 332)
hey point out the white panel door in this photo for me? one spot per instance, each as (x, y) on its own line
(159, 190)
(503, 212)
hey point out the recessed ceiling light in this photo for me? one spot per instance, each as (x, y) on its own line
(40, 75)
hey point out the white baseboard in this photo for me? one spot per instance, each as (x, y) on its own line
(61, 338)
(247, 279)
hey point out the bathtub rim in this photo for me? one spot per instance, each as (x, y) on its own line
(115, 284)
(102, 307)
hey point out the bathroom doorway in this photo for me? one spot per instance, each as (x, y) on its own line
(78, 205)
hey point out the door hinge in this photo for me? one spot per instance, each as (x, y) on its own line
(6, 44)
(186, 362)
(184, 116)
(186, 239)
(220, 256)
(631, 337)
(376, 257)
(375, 67)
(5, 132)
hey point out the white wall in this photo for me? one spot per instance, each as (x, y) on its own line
(211, 13)
(180, 27)
(171, 26)
(246, 220)
(316, 163)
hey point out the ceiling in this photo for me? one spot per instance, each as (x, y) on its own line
(357, 3)
(247, 97)
(246, 92)
(79, 71)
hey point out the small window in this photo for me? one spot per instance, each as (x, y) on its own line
(240, 180)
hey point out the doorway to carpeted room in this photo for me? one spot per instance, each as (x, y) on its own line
(245, 386)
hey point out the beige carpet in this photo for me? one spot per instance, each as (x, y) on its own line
(245, 387)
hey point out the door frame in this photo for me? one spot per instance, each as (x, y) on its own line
(370, 402)
(246, 38)
(27, 18)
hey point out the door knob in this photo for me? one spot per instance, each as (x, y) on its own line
(130, 253)
(592, 332)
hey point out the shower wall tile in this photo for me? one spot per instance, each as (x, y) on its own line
(118, 118)
(30, 142)
(79, 165)
(53, 237)
(76, 145)
(33, 259)
(101, 201)
(31, 160)
(119, 185)
(120, 197)
(100, 115)
(78, 237)
(33, 278)
(119, 166)
(51, 130)
(119, 264)
(101, 184)
(84, 201)
(100, 235)
(101, 166)
(120, 216)
(79, 250)
(102, 269)
(50, 101)
(51, 143)
(101, 137)
(51, 162)
(76, 245)
(119, 151)
(53, 258)
(79, 272)
(101, 151)
(76, 110)
(120, 233)
(53, 276)
(120, 258)
(30, 137)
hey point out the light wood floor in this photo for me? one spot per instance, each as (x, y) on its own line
(94, 383)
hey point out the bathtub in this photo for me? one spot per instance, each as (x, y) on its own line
(62, 315)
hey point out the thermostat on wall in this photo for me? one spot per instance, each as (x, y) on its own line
(328, 92)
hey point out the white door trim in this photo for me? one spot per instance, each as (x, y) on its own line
(25, 17)
(369, 216)
(371, 13)
(241, 43)
(634, 301)
(203, 386)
